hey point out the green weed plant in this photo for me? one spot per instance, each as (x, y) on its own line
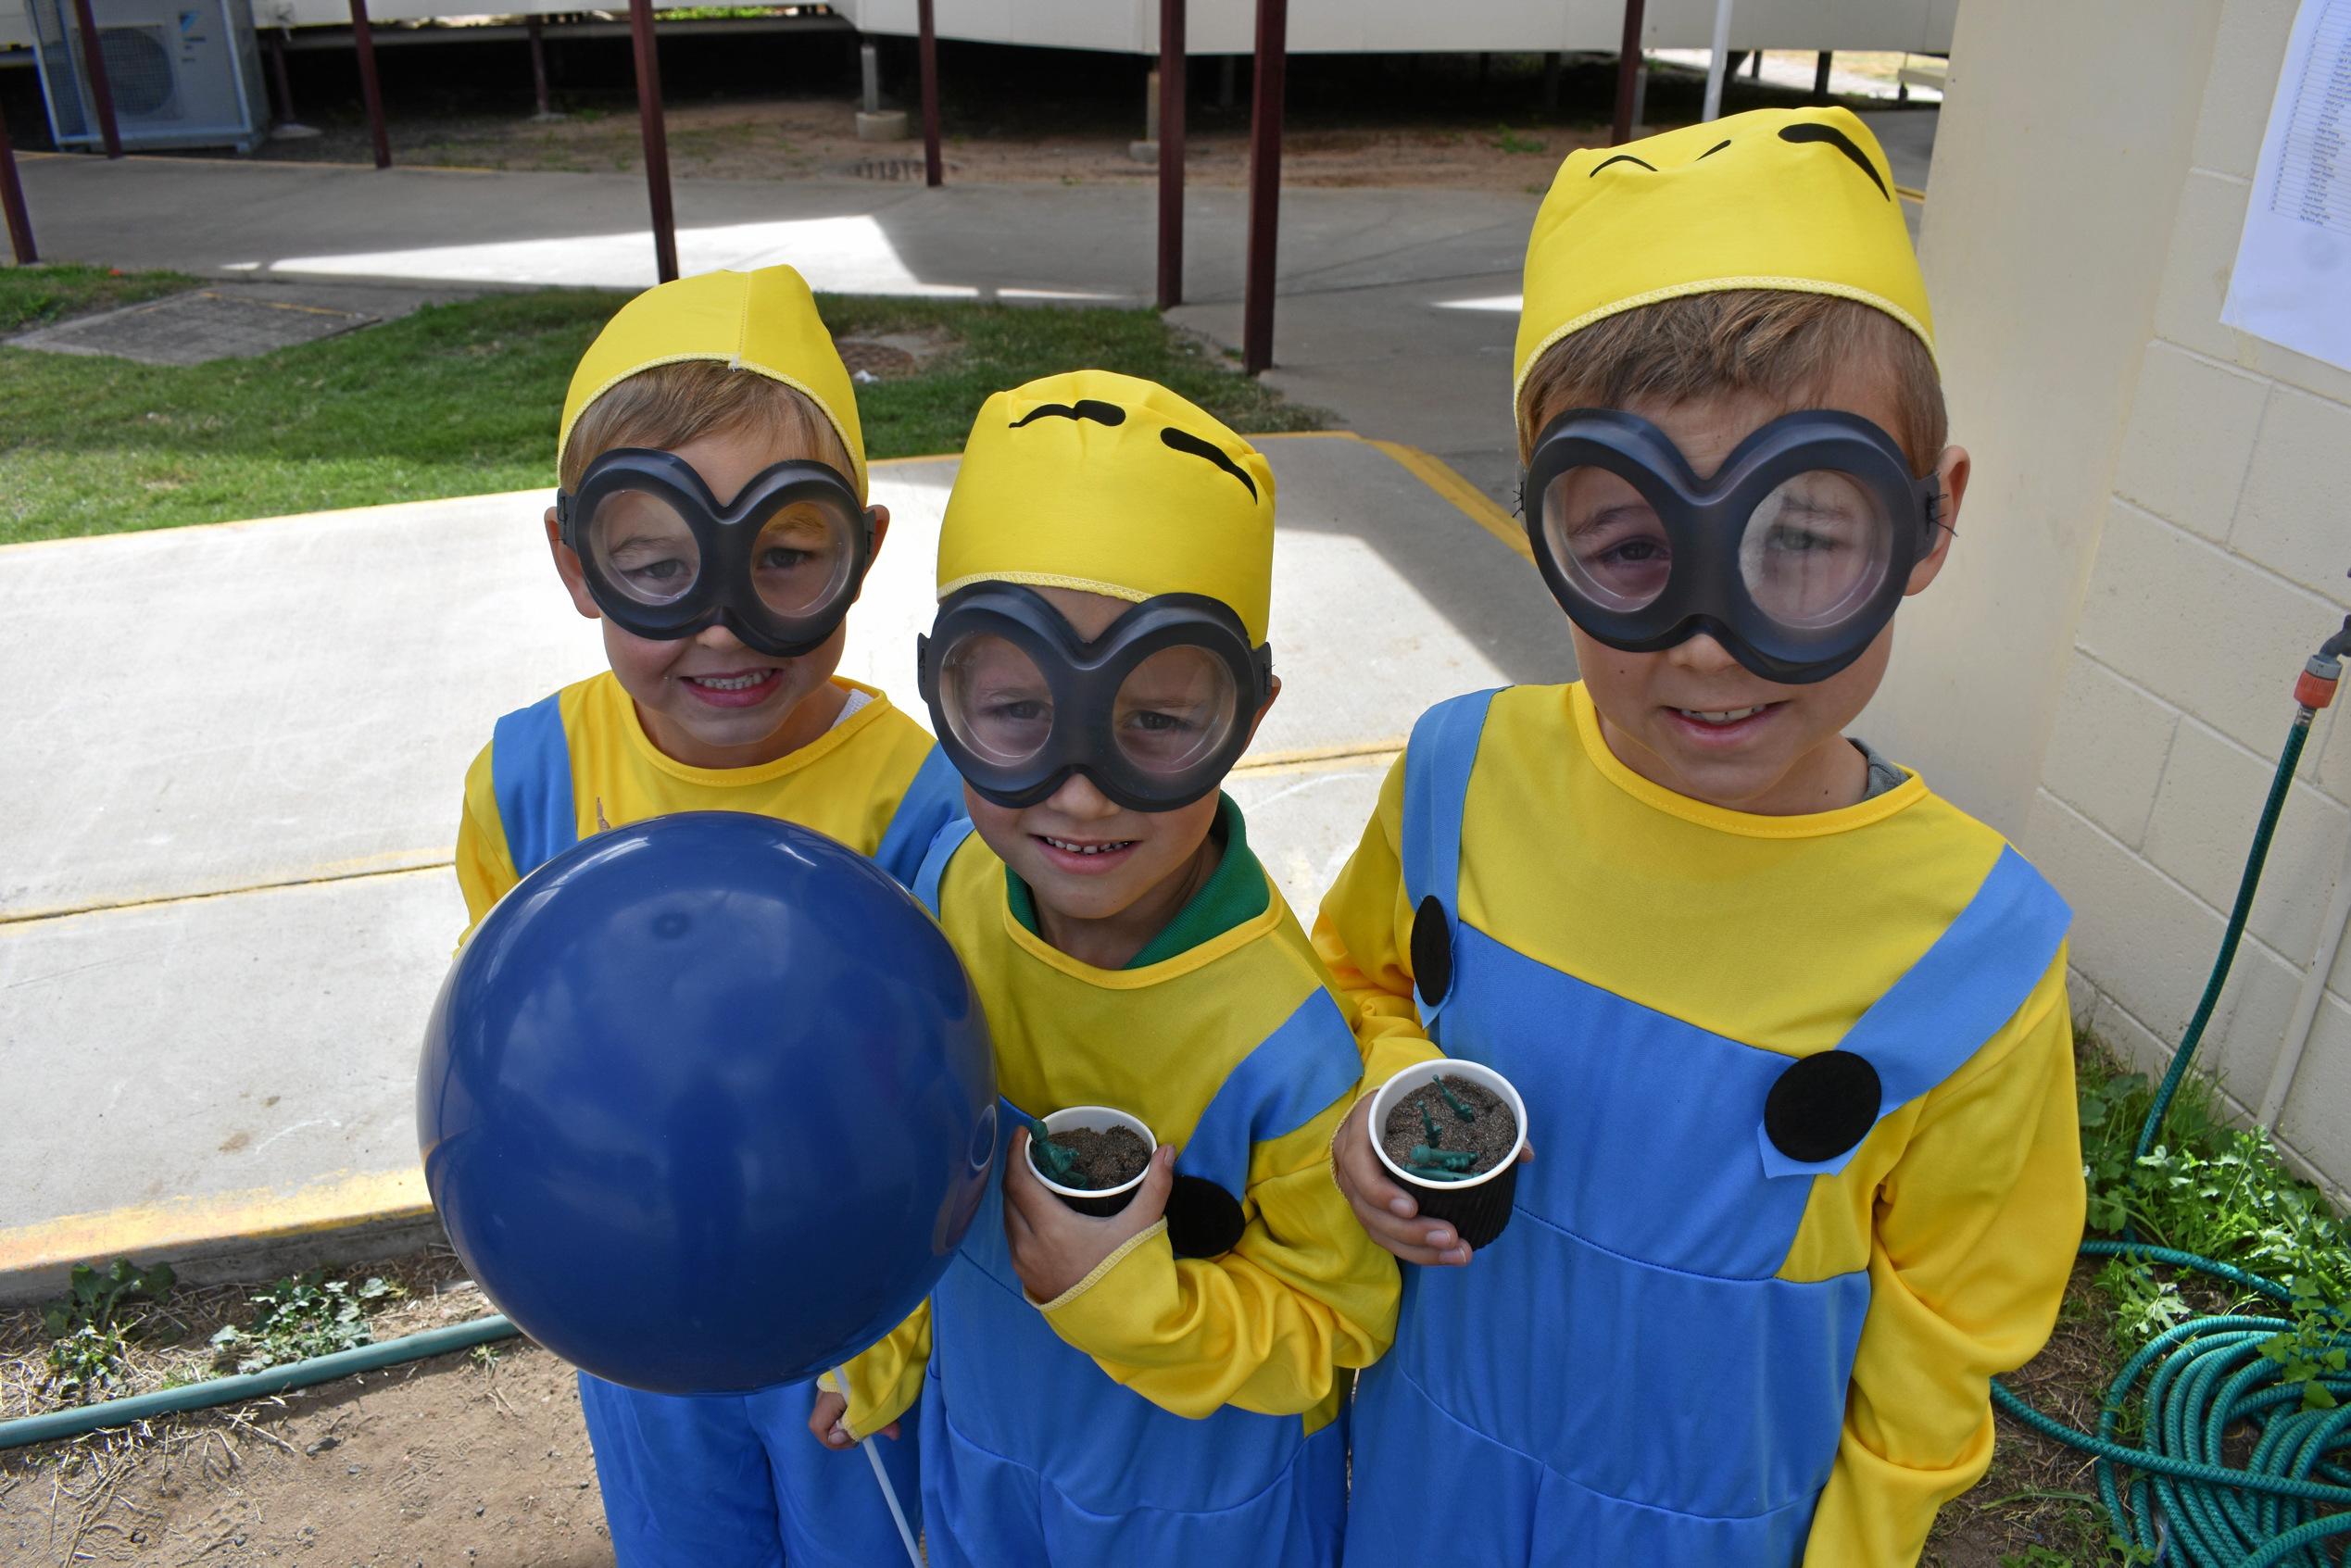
(2220, 1192)
(304, 1316)
(89, 1330)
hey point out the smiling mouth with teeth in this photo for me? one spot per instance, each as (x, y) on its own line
(742, 682)
(1723, 716)
(1071, 848)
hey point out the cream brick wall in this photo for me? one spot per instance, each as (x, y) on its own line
(2220, 565)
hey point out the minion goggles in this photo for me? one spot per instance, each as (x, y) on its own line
(1793, 555)
(779, 565)
(1153, 711)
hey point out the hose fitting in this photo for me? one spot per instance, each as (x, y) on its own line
(2316, 687)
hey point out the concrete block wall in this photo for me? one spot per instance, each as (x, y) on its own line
(2219, 567)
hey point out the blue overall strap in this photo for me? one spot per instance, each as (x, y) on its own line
(1436, 767)
(1292, 1076)
(1957, 996)
(948, 839)
(933, 797)
(531, 774)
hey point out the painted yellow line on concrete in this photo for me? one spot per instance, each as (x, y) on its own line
(355, 871)
(1314, 756)
(179, 1225)
(1441, 476)
(1373, 755)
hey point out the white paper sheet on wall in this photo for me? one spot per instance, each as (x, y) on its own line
(2292, 284)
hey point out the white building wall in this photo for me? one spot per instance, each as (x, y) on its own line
(1225, 26)
(2158, 538)
(2220, 566)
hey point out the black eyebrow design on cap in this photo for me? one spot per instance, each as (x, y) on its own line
(1092, 408)
(1812, 131)
(1711, 151)
(1184, 441)
(1622, 157)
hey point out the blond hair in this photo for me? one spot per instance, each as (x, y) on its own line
(1777, 344)
(667, 406)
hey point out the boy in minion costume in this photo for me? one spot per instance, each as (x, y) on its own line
(1167, 1385)
(712, 517)
(1792, 1030)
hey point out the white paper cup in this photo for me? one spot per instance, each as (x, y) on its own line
(1101, 1202)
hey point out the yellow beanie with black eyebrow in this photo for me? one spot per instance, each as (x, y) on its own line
(1115, 485)
(1796, 199)
(764, 321)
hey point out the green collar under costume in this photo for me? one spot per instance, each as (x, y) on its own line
(1234, 893)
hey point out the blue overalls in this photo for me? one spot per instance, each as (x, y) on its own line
(1032, 1455)
(1621, 1379)
(720, 1481)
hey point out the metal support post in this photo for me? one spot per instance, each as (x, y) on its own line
(657, 145)
(1627, 76)
(12, 202)
(934, 171)
(539, 95)
(370, 89)
(1264, 184)
(94, 64)
(1171, 153)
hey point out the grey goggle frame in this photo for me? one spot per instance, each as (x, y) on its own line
(725, 535)
(1084, 679)
(1704, 521)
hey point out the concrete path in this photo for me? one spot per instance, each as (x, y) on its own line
(225, 899)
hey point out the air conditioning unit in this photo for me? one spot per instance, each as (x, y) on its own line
(183, 73)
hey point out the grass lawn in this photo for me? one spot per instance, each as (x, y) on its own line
(459, 400)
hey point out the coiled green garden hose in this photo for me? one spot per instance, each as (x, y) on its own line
(2188, 1503)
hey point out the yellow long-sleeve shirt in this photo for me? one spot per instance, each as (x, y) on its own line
(580, 762)
(1724, 935)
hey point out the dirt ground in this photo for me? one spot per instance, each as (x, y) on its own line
(478, 1458)
(812, 137)
(482, 1460)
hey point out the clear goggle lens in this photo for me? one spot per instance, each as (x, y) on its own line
(996, 701)
(1606, 537)
(803, 558)
(641, 545)
(1815, 550)
(1175, 709)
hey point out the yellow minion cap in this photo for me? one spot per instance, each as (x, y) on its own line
(1112, 485)
(764, 321)
(1797, 200)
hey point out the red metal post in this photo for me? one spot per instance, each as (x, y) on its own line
(1627, 73)
(538, 66)
(370, 89)
(1171, 153)
(12, 202)
(1264, 184)
(93, 62)
(926, 49)
(656, 145)
(285, 81)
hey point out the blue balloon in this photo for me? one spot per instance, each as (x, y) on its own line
(707, 1104)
